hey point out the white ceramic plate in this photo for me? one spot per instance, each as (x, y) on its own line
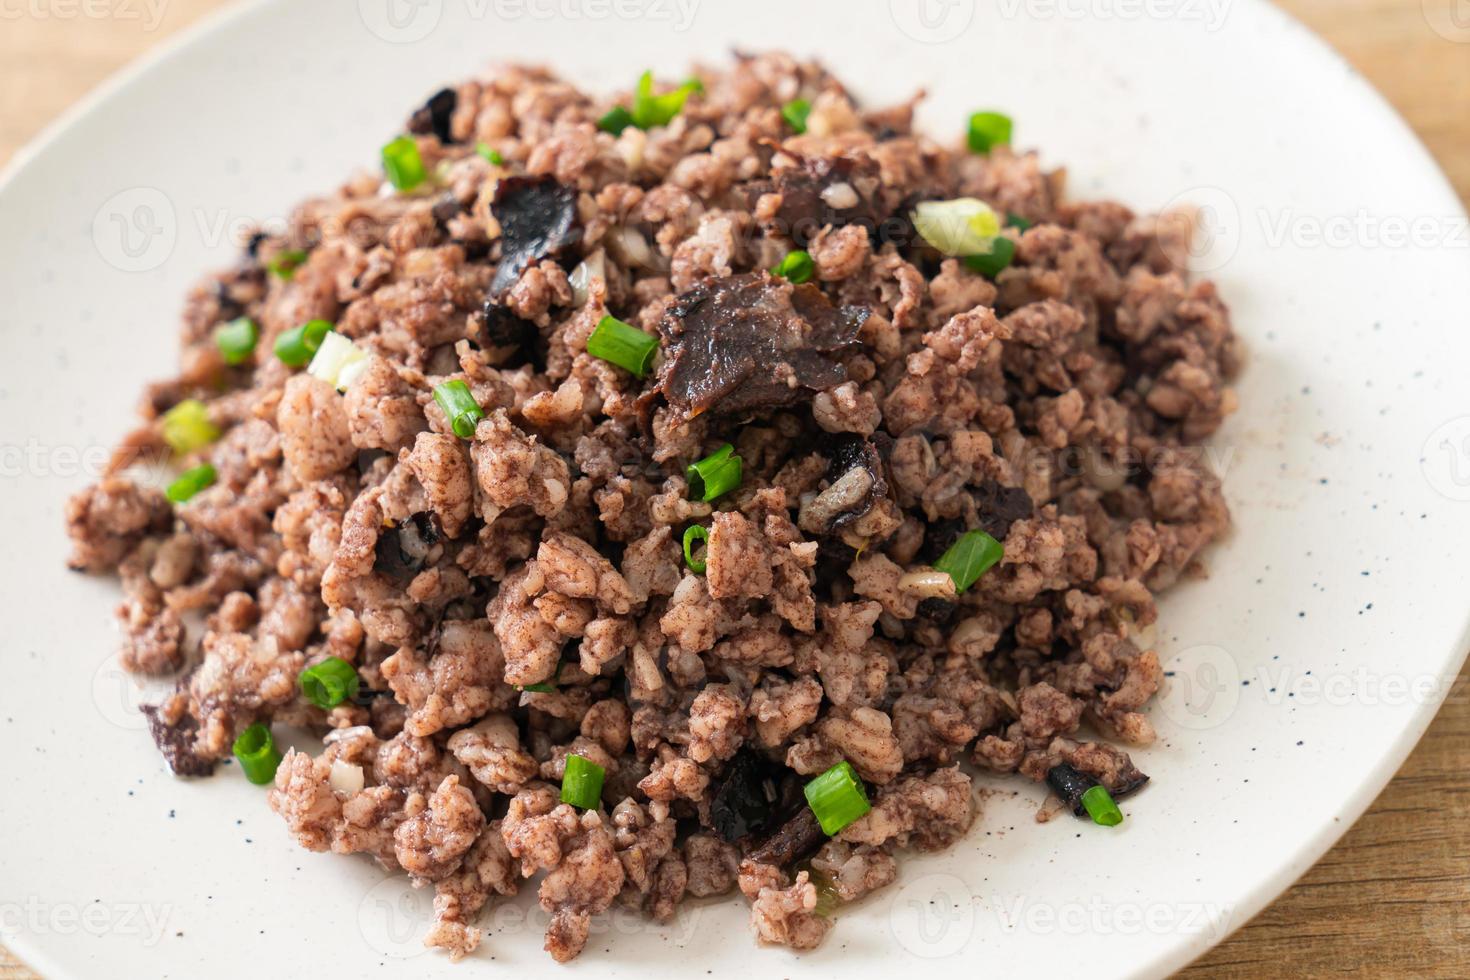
(1303, 671)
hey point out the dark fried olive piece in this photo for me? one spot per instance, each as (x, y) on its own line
(176, 743)
(855, 483)
(826, 191)
(745, 798)
(738, 344)
(445, 209)
(1000, 507)
(404, 550)
(1069, 784)
(435, 116)
(797, 838)
(537, 218)
(507, 340)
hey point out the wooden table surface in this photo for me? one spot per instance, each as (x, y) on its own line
(1392, 899)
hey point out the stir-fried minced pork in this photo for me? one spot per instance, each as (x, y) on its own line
(507, 580)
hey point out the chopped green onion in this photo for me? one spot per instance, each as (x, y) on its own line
(338, 361)
(1101, 807)
(795, 113)
(1016, 221)
(545, 687)
(615, 121)
(969, 558)
(460, 407)
(624, 345)
(190, 482)
(490, 154)
(989, 264)
(963, 226)
(715, 475)
(651, 110)
(837, 798)
(692, 534)
(989, 130)
(330, 682)
(581, 786)
(828, 901)
(256, 750)
(186, 427)
(402, 163)
(796, 267)
(236, 340)
(296, 346)
(285, 262)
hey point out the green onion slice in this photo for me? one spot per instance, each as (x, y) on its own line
(837, 798)
(715, 475)
(236, 340)
(296, 346)
(460, 407)
(989, 130)
(651, 110)
(190, 482)
(624, 345)
(545, 687)
(963, 226)
(338, 361)
(693, 535)
(1101, 807)
(284, 263)
(582, 784)
(402, 163)
(329, 683)
(795, 113)
(615, 121)
(256, 750)
(490, 154)
(797, 267)
(969, 558)
(990, 264)
(1016, 221)
(828, 901)
(186, 427)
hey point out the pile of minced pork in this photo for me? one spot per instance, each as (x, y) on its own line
(671, 493)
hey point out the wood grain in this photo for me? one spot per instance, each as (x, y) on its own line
(1392, 899)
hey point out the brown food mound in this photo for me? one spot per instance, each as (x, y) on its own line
(896, 402)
